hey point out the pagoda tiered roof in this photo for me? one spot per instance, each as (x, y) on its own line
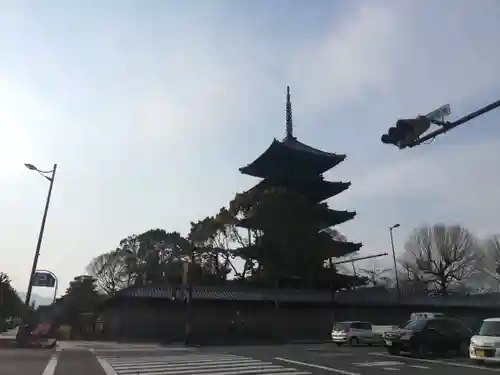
(299, 168)
(337, 248)
(315, 188)
(290, 157)
(329, 219)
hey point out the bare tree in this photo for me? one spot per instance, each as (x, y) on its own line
(488, 277)
(491, 254)
(376, 275)
(440, 257)
(411, 280)
(110, 271)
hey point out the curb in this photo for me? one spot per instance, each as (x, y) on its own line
(14, 344)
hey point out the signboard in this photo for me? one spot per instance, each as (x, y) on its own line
(440, 113)
(44, 279)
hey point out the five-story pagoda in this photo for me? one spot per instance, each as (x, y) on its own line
(297, 169)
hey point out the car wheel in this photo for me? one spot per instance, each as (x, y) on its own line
(393, 351)
(353, 341)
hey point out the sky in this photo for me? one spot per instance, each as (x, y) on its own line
(150, 107)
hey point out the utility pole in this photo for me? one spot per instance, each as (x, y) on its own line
(394, 259)
(188, 284)
(50, 176)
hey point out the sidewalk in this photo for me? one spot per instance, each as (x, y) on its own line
(113, 345)
(8, 339)
(10, 333)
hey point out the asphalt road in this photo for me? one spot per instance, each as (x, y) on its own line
(271, 360)
(23, 361)
(327, 358)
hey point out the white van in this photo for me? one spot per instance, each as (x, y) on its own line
(485, 346)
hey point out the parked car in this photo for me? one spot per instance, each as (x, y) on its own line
(425, 315)
(437, 335)
(485, 346)
(355, 333)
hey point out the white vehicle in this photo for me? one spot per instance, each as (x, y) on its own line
(355, 333)
(485, 346)
(425, 315)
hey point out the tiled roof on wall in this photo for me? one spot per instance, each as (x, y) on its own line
(226, 294)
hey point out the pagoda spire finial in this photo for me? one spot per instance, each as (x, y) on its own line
(288, 116)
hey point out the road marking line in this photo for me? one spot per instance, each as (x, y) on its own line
(390, 369)
(420, 367)
(50, 369)
(379, 364)
(438, 362)
(171, 359)
(108, 370)
(331, 369)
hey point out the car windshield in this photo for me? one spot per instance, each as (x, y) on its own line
(490, 328)
(416, 325)
(341, 327)
(404, 324)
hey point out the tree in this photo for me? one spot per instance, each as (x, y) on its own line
(110, 271)
(488, 277)
(440, 257)
(158, 256)
(289, 245)
(78, 305)
(10, 303)
(153, 256)
(82, 291)
(376, 275)
(210, 237)
(491, 255)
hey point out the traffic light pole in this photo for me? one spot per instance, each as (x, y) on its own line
(446, 126)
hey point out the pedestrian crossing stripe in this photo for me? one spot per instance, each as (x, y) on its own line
(192, 364)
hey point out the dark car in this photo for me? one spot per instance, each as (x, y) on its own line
(432, 335)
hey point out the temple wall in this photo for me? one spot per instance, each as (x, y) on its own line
(226, 323)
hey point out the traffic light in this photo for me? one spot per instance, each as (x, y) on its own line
(406, 131)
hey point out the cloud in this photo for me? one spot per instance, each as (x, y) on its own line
(147, 109)
(408, 55)
(385, 60)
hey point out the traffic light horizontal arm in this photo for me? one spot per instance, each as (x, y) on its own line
(446, 126)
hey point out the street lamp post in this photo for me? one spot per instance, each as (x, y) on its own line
(394, 259)
(49, 175)
(188, 284)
